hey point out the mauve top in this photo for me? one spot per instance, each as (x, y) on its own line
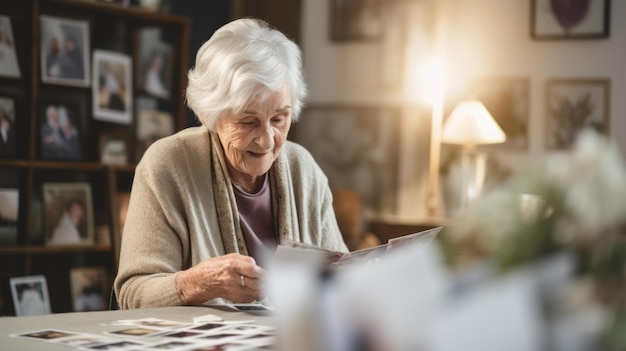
(255, 215)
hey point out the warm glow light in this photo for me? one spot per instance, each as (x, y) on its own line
(433, 78)
(433, 87)
(470, 123)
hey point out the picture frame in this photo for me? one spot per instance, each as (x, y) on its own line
(68, 218)
(369, 159)
(9, 215)
(8, 132)
(112, 88)
(114, 149)
(30, 295)
(60, 132)
(154, 64)
(152, 126)
(508, 101)
(578, 19)
(355, 20)
(65, 49)
(575, 104)
(9, 64)
(89, 288)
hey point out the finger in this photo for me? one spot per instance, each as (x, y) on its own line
(250, 283)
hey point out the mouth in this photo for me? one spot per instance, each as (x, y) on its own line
(257, 154)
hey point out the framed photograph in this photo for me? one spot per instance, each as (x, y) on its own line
(8, 147)
(507, 99)
(355, 20)
(575, 104)
(68, 214)
(569, 19)
(65, 51)
(154, 64)
(9, 211)
(152, 126)
(367, 161)
(9, 64)
(59, 135)
(90, 288)
(30, 295)
(112, 88)
(114, 149)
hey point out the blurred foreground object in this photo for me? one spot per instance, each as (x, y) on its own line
(409, 299)
(574, 201)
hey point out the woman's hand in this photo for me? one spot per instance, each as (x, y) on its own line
(234, 277)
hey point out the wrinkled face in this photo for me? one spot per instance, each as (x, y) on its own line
(252, 139)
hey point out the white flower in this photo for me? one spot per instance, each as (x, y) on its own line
(592, 181)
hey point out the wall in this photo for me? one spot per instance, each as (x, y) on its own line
(491, 38)
(364, 73)
(479, 38)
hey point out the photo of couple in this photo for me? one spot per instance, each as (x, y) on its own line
(64, 51)
(59, 136)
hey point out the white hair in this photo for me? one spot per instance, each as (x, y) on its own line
(244, 60)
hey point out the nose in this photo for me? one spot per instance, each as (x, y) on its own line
(265, 136)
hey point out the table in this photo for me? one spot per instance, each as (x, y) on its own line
(91, 322)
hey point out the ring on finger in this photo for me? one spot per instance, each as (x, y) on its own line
(243, 280)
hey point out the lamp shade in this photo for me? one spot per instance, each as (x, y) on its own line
(470, 123)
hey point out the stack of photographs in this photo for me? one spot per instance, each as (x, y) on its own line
(162, 334)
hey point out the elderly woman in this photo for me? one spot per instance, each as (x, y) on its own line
(207, 202)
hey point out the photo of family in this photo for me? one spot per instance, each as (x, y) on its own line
(64, 51)
(68, 216)
(112, 90)
(59, 136)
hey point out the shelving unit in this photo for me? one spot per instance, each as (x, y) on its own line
(112, 28)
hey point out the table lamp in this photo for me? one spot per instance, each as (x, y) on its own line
(471, 124)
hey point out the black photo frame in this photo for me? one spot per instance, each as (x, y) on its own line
(572, 19)
(355, 20)
(573, 105)
(60, 132)
(65, 48)
(8, 130)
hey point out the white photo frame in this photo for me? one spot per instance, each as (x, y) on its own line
(64, 51)
(65, 223)
(112, 88)
(30, 295)
(9, 64)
